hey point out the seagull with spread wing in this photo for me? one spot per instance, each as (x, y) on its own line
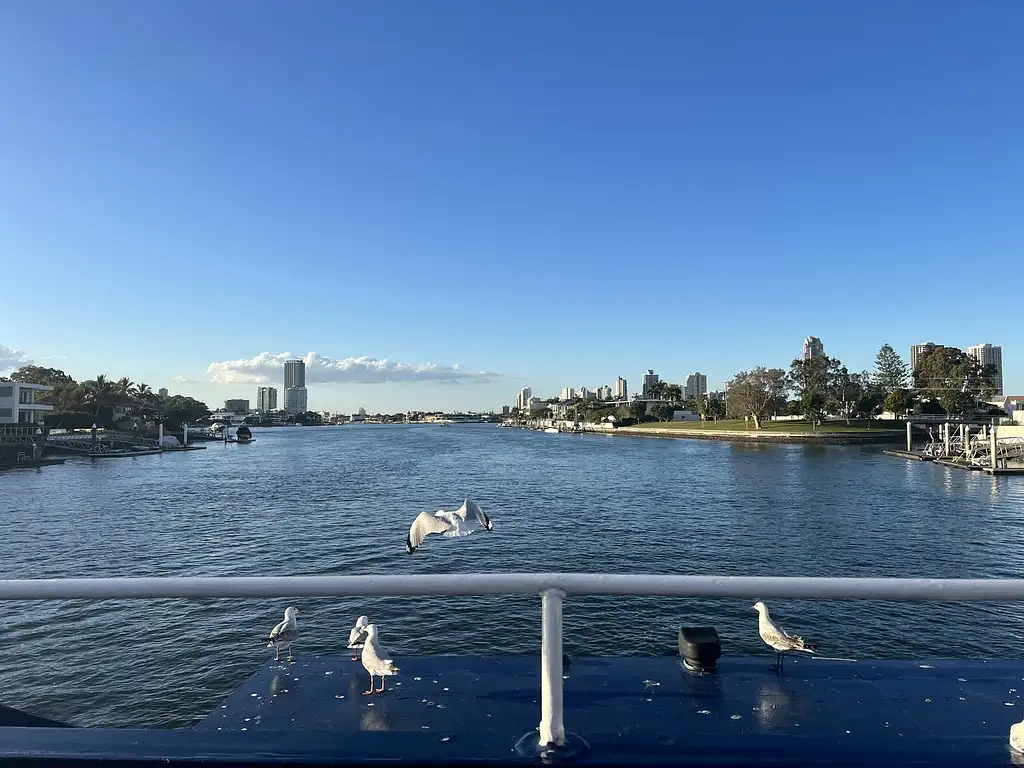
(449, 523)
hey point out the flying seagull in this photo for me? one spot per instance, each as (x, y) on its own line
(357, 635)
(284, 634)
(451, 523)
(376, 660)
(776, 637)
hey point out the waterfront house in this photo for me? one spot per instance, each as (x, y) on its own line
(20, 403)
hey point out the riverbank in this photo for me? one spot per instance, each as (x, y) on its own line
(770, 432)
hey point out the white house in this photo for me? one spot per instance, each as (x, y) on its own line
(18, 403)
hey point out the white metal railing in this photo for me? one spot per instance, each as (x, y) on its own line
(552, 587)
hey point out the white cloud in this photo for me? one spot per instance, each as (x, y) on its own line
(267, 367)
(12, 358)
(179, 380)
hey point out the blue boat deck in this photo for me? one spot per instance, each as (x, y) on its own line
(633, 710)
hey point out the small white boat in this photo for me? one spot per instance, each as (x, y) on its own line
(551, 431)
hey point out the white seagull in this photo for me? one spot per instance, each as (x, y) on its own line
(452, 523)
(776, 637)
(376, 660)
(357, 635)
(284, 634)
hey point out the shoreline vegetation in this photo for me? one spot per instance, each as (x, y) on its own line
(834, 433)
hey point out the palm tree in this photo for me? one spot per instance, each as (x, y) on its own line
(99, 392)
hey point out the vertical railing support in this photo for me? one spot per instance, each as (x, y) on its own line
(552, 727)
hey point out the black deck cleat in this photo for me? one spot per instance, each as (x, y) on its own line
(700, 649)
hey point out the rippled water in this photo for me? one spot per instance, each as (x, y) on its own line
(307, 501)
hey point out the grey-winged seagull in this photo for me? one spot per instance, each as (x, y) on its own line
(284, 634)
(376, 660)
(357, 635)
(451, 523)
(776, 637)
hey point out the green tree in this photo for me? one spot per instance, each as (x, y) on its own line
(34, 374)
(662, 411)
(891, 372)
(673, 393)
(954, 378)
(637, 410)
(184, 410)
(755, 393)
(715, 409)
(809, 381)
(899, 402)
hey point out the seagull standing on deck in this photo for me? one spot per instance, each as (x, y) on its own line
(284, 634)
(449, 523)
(376, 660)
(776, 637)
(357, 635)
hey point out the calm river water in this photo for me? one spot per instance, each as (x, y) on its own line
(303, 501)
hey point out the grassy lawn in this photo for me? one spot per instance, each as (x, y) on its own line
(782, 427)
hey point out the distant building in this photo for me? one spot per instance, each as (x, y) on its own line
(505, 410)
(266, 399)
(535, 404)
(294, 374)
(18, 403)
(233, 406)
(523, 398)
(986, 354)
(566, 393)
(718, 395)
(696, 386)
(649, 380)
(813, 348)
(162, 392)
(917, 353)
(296, 400)
(621, 390)
(585, 394)
(604, 393)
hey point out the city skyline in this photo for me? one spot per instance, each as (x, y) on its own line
(369, 158)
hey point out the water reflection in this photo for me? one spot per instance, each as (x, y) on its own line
(775, 705)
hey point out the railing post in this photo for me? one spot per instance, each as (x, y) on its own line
(552, 727)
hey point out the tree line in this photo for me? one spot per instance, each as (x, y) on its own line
(80, 404)
(947, 381)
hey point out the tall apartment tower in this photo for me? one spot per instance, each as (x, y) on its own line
(295, 395)
(647, 383)
(813, 348)
(621, 390)
(266, 399)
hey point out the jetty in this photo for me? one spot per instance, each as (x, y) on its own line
(970, 444)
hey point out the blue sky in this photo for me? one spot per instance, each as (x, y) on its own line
(554, 194)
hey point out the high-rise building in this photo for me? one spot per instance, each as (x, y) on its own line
(696, 386)
(505, 410)
(523, 398)
(621, 390)
(296, 400)
(236, 405)
(813, 348)
(604, 392)
(266, 399)
(294, 374)
(566, 393)
(649, 380)
(917, 353)
(162, 392)
(986, 354)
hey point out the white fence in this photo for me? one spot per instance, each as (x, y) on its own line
(552, 587)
